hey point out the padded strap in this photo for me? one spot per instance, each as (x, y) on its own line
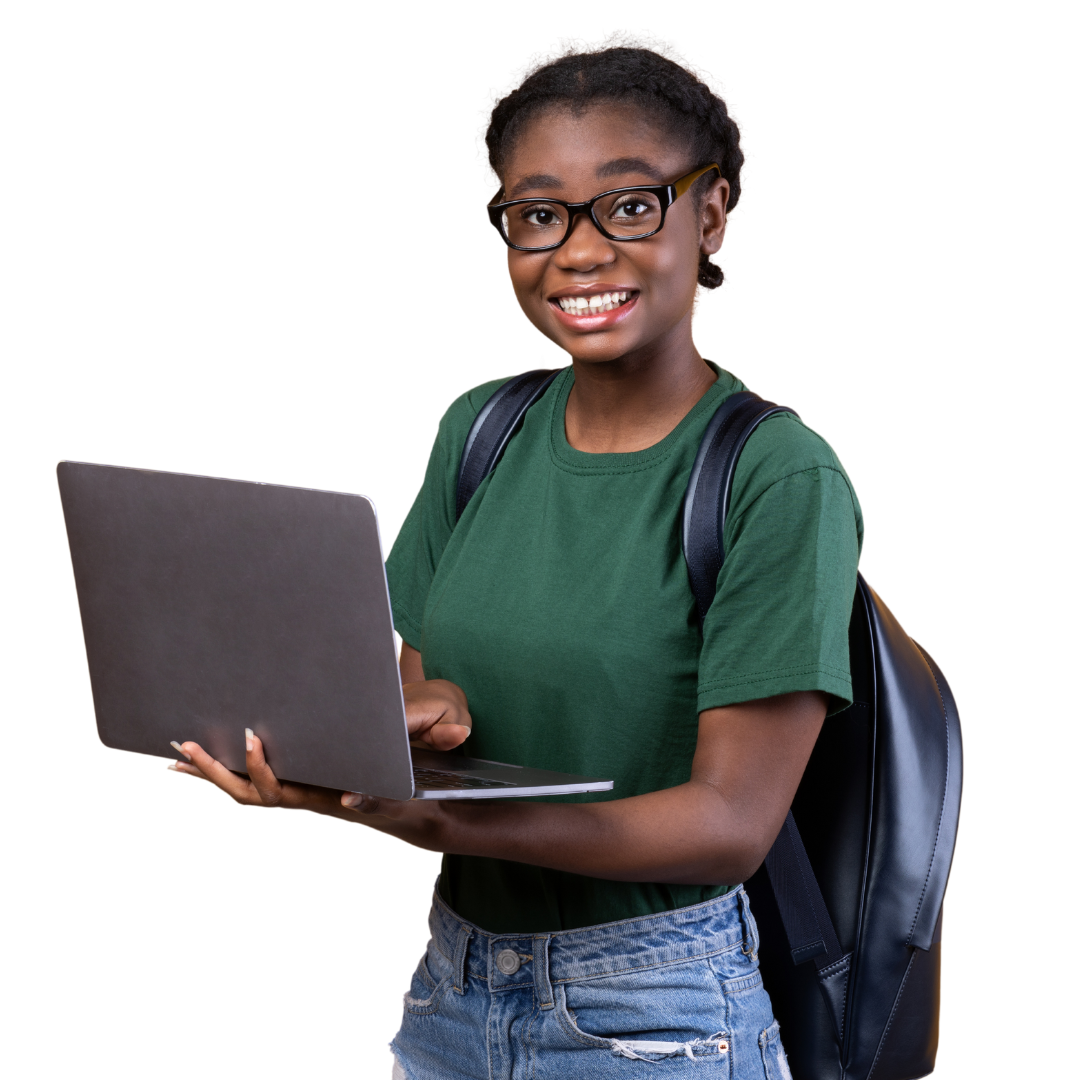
(493, 428)
(810, 932)
(807, 925)
(708, 492)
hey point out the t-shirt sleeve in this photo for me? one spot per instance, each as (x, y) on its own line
(420, 544)
(779, 622)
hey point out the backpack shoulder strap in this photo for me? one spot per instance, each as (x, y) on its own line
(708, 492)
(809, 929)
(493, 428)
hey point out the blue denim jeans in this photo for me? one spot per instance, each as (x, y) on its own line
(671, 995)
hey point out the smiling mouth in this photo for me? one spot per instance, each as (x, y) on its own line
(595, 304)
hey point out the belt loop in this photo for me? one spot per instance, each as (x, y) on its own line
(542, 972)
(750, 930)
(461, 952)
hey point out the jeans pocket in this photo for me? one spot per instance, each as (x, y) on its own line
(429, 983)
(675, 1011)
(772, 1054)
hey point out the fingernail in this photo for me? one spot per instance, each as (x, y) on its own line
(174, 768)
(249, 735)
(179, 749)
(351, 799)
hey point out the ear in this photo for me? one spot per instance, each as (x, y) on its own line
(714, 216)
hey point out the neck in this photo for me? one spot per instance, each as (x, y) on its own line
(632, 402)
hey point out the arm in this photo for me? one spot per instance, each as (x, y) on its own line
(411, 669)
(714, 829)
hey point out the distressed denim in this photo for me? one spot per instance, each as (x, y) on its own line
(671, 995)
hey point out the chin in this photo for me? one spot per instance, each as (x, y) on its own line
(597, 348)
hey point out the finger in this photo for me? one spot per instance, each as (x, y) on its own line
(362, 804)
(447, 736)
(262, 776)
(185, 767)
(371, 804)
(240, 789)
(421, 719)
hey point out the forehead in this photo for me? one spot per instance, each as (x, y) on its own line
(572, 151)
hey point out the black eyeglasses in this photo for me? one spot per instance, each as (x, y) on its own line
(629, 213)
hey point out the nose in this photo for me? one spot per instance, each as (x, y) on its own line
(586, 248)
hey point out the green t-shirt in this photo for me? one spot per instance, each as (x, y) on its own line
(560, 603)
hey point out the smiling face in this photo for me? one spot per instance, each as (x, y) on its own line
(639, 293)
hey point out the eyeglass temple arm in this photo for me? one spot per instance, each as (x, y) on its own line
(683, 185)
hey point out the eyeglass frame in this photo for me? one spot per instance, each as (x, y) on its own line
(666, 193)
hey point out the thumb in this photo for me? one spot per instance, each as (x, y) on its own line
(446, 736)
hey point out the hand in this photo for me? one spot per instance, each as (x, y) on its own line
(261, 787)
(419, 823)
(437, 714)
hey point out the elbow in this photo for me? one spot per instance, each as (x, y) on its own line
(730, 864)
(748, 866)
(750, 849)
(737, 858)
(742, 863)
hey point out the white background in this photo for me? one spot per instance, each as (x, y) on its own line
(248, 239)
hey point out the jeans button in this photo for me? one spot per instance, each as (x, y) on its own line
(508, 961)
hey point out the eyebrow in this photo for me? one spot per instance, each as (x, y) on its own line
(617, 167)
(620, 166)
(532, 183)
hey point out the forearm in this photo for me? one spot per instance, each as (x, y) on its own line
(684, 835)
(713, 830)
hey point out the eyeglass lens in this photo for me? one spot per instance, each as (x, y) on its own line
(537, 224)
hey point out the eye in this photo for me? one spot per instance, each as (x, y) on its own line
(534, 224)
(539, 215)
(630, 213)
(630, 208)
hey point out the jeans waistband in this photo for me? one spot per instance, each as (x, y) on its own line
(509, 961)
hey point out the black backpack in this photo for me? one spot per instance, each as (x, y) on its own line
(857, 887)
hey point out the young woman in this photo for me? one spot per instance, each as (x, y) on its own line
(553, 625)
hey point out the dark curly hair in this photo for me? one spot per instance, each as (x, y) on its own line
(685, 107)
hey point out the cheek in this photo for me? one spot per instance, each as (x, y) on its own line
(672, 273)
(526, 274)
(526, 277)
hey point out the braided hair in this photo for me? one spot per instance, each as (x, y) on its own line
(686, 108)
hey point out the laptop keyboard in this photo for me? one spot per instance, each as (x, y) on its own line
(438, 780)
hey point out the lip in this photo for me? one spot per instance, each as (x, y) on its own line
(596, 289)
(603, 320)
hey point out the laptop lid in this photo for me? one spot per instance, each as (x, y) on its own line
(212, 605)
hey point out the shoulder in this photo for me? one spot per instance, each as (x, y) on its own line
(782, 449)
(458, 418)
(783, 444)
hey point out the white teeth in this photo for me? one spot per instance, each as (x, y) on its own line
(593, 305)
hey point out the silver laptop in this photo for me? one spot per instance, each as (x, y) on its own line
(213, 605)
